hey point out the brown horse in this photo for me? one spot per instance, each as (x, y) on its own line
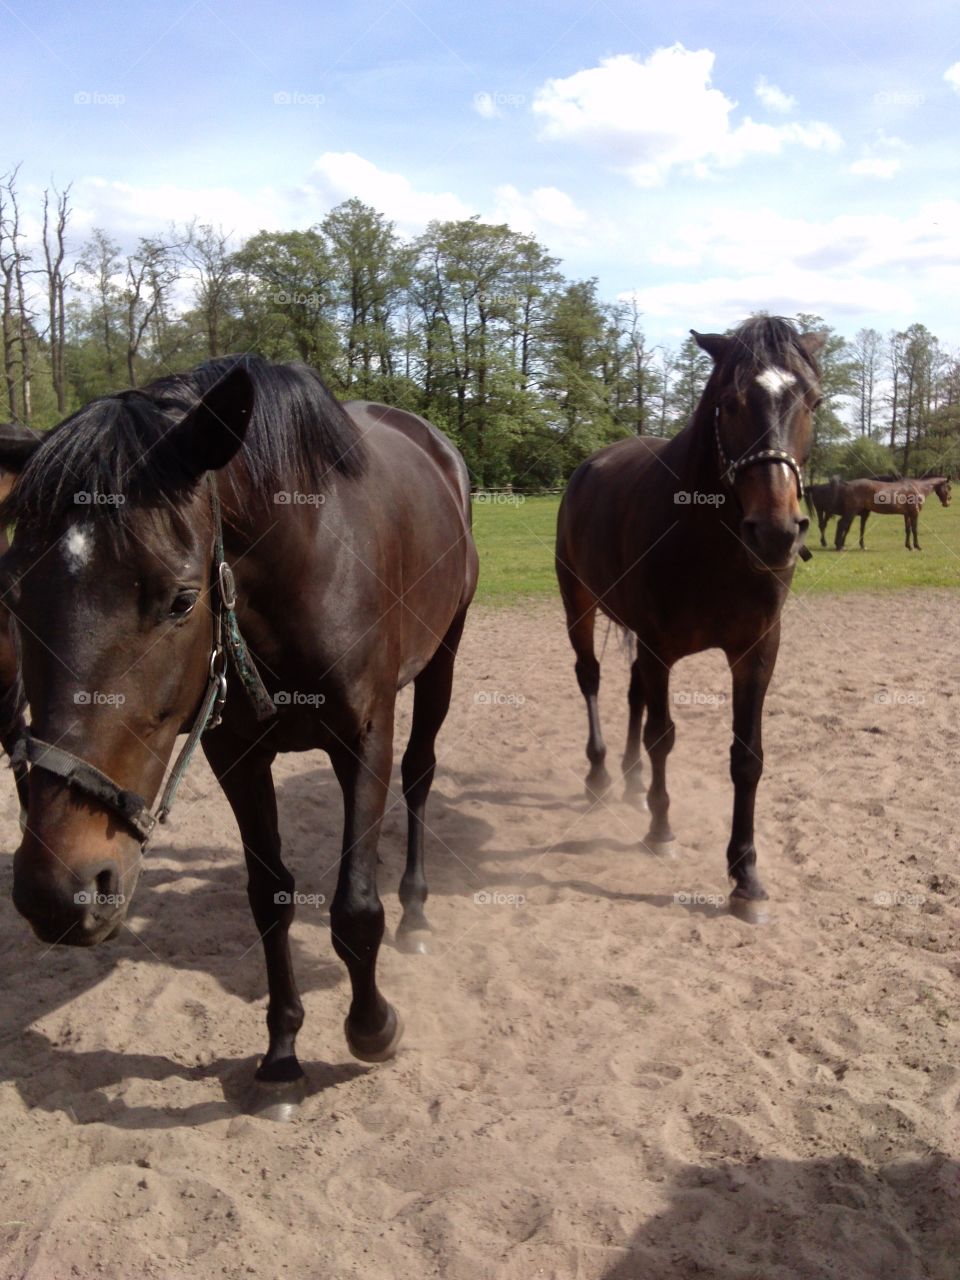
(691, 544)
(888, 498)
(234, 514)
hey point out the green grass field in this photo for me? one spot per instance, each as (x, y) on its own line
(516, 553)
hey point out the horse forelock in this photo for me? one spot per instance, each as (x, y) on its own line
(107, 461)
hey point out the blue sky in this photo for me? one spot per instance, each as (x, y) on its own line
(709, 158)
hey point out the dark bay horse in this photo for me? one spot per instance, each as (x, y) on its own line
(691, 544)
(823, 501)
(344, 563)
(891, 498)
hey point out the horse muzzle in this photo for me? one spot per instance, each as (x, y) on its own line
(73, 908)
(775, 543)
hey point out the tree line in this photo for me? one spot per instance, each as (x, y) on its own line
(471, 324)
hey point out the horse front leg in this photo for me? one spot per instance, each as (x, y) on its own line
(246, 779)
(631, 764)
(658, 739)
(372, 1027)
(751, 673)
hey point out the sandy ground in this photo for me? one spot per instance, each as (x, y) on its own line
(605, 1074)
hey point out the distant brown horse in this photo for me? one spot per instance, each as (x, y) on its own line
(691, 544)
(890, 498)
(161, 532)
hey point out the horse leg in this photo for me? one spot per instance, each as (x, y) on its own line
(823, 520)
(372, 1027)
(247, 782)
(658, 738)
(914, 525)
(581, 610)
(843, 528)
(431, 700)
(751, 673)
(632, 767)
(864, 516)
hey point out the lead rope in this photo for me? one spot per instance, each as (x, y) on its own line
(227, 641)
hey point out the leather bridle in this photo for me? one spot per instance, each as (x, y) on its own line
(228, 644)
(729, 468)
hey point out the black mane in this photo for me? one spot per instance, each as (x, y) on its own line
(762, 342)
(297, 436)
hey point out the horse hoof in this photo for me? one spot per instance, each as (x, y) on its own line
(277, 1100)
(637, 799)
(413, 942)
(750, 910)
(660, 848)
(379, 1047)
(596, 786)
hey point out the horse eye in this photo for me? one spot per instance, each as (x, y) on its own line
(183, 603)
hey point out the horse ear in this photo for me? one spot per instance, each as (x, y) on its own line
(214, 429)
(813, 343)
(714, 344)
(17, 446)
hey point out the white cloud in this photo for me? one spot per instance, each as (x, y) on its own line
(876, 160)
(773, 97)
(952, 76)
(339, 175)
(649, 118)
(544, 210)
(136, 211)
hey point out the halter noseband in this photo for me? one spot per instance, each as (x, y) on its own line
(730, 467)
(228, 644)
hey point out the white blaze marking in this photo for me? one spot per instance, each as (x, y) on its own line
(77, 547)
(775, 380)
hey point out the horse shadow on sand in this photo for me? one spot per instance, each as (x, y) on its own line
(778, 1219)
(218, 938)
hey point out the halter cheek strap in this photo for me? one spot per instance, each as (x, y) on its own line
(228, 644)
(729, 468)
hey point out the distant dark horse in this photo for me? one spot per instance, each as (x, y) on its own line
(823, 501)
(691, 544)
(348, 532)
(891, 498)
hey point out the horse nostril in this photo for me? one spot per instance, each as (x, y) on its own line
(107, 881)
(803, 524)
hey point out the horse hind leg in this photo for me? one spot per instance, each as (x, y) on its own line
(658, 738)
(581, 609)
(633, 791)
(431, 700)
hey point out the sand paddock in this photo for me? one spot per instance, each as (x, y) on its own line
(604, 1075)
